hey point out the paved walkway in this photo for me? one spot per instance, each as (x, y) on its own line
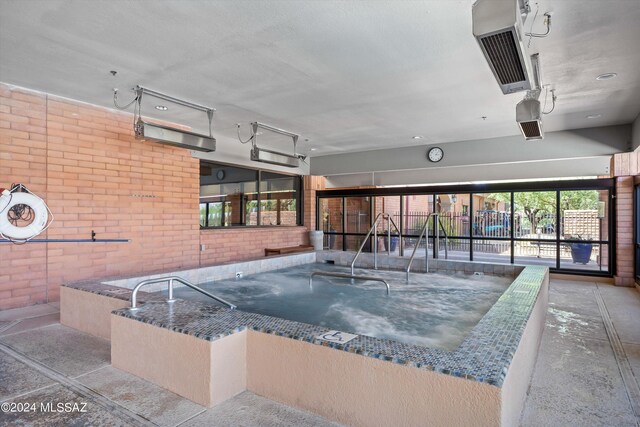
(45, 363)
(588, 366)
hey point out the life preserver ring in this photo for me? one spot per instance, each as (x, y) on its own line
(40, 213)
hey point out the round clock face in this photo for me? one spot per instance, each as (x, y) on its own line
(220, 175)
(435, 154)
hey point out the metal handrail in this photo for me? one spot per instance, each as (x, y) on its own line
(345, 276)
(375, 239)
(374, 229)
(170, 279)
(426, 247)
(437, 237)
(415, 248)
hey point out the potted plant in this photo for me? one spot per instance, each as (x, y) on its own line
(580, 251)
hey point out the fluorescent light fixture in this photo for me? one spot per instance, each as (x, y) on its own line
(274, 157)
(168, 135)
(175, 137)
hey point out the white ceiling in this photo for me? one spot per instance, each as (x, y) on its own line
(347, 75)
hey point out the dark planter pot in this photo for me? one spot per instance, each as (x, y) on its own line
(394, 243)
(581, 252)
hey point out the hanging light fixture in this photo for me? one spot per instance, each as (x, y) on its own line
(165, 134)
(264, 155)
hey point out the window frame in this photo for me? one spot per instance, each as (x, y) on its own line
(607, 184)
(299, 198)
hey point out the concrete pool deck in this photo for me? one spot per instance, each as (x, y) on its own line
(577, 380)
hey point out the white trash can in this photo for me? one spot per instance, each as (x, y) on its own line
(315, 238)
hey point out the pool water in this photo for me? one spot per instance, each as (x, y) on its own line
(432, 310)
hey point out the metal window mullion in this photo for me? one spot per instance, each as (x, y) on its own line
(300, 203)
(558, 229)
(372, 212)
(318, 213)
(258, 218)
(401, 247)
(471, 226)
(511, 234)
(344, 224)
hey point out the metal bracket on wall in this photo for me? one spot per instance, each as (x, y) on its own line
(91, 240)
(71, 241)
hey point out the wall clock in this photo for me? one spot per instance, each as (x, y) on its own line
(220, 175)
(435, 154)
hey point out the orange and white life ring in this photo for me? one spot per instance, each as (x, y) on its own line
(29, 231)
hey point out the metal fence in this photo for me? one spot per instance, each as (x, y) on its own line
(487, 228)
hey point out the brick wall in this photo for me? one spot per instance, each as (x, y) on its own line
(23, 142)
(235, 244)
(624, 231)
(84, 161)
(624, 167)
(311, 185)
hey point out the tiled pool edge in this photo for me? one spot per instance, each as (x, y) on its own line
(366, 260)
(217, 272)
(483, 356)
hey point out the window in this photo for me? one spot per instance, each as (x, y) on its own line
(232, 197)
(565, 225)
(279, 199)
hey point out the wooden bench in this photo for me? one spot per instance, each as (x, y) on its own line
(288, 250)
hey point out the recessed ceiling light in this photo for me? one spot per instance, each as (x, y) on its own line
(161, 108)
(313, 149)
(606, 76)
(594, 116)
(417, 137)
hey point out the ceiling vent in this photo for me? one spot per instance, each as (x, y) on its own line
(529, 118)
(497, 25)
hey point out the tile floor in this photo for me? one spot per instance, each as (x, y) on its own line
(577, 379)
